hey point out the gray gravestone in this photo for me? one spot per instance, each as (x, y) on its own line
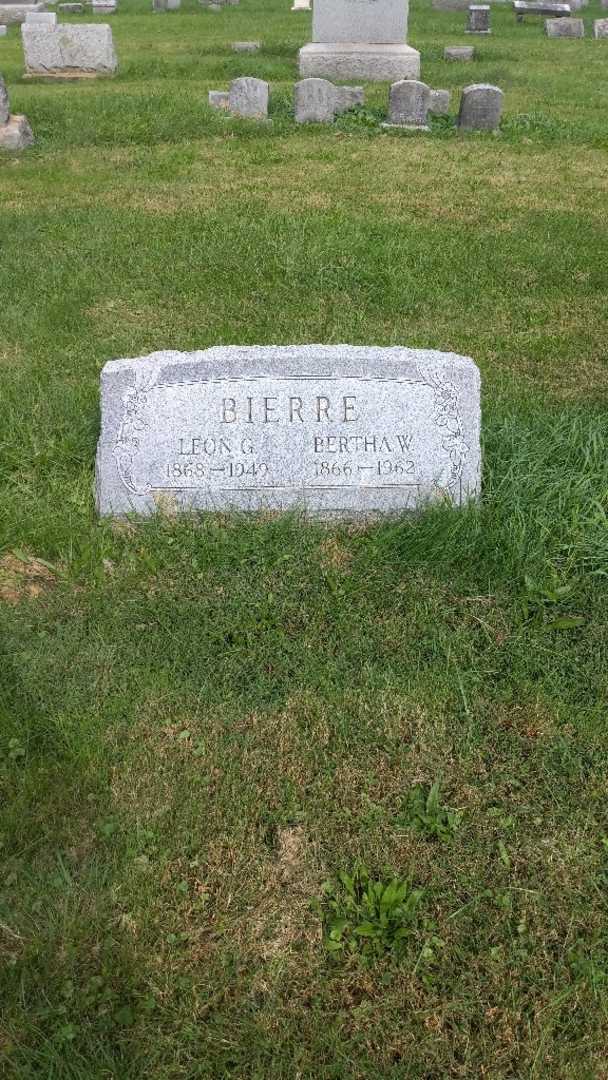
(334, 430)
(249, 98)
(359, 39)
(17, 13)
(480, 107)
(566, 28)
(531, 7)
(440, 102)
(319, 101)
(41, 18)
(16, 134)
(408, 105)
(246, 46)
(4, 102)
(15, 131)
(3, 31)
(459, 52)
(372, 21)
(479, 19)
(159, 5)
(71, 9)
(600, 28)
(219, 99)
(68, 50)
(104, 7)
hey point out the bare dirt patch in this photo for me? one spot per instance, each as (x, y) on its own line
(24, 578)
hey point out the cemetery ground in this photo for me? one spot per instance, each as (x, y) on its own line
(204, 722)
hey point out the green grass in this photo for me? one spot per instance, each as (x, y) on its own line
(202, 722)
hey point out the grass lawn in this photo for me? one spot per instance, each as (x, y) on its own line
(201, 723)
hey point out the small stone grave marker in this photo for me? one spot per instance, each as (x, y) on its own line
(246, 46)
(564, 28)
(219, 99)
(459, 52)
(41, 18)
(479, 19)
(319, 101)
(439, 102)
(15, 131)
(480, 107)
(408, 105)
(334, 430)
(600, 28)
(249, 98)
(533, 7)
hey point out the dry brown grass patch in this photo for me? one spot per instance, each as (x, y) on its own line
(23, 577)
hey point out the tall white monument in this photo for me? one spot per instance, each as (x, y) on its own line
(360, 39)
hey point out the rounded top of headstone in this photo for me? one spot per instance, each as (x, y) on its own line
(481, 86)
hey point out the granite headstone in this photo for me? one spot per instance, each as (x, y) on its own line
(480, 107)
(319, 101)
(249, 98)
(359, 39)
(68, 50)
(408, 105)
(334, 430)
(564, 28)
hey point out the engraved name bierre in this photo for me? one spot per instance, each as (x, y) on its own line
(287, 409)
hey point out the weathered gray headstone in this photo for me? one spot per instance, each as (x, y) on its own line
(41, 18)
(439, 102)
(459, 52)
(159, 5)
(375, 22)
(3, 31)
(15, 131)
(105, 7)
(16, 134)
(479, 19)
(71, 9)
(301, 5)
(69, 50)
(564, 28)
(319, 101)
(249, 98)
(246, 46)
(219, 99)
(600, 28)
(5, 109)
(408, 105)
(359, 39)
(539, 7)
(480, 107)
(334, 430)
(16, 13)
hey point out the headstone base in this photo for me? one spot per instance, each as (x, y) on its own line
(371, 63)
(405, 127)
(75, 73)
